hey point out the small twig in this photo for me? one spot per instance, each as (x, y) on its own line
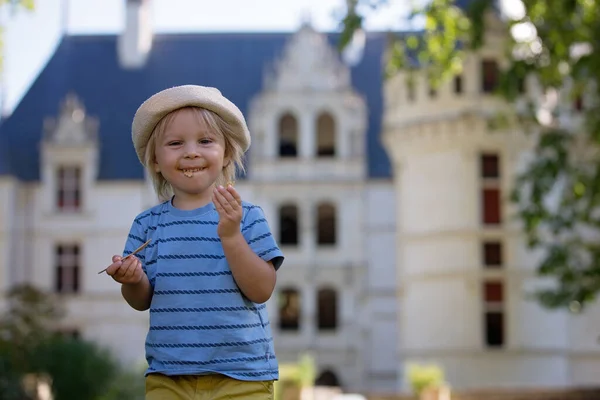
(129, 255)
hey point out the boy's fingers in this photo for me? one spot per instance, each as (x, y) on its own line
(127, 264)
(113, 268)
(217, 202)
(224, 199)
(229, 198)
(130, 270)
(235, 194)
(138, 268)
(135, 264)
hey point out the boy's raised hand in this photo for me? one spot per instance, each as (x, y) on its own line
(128, 271)
(229, 206)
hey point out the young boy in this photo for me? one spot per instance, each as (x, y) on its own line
(211, 262)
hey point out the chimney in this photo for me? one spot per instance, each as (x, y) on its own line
(135, 42)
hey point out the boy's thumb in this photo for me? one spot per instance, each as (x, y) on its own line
(116, 258)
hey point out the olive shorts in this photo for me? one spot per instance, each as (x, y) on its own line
(205, 387)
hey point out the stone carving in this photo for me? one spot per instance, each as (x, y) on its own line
(309, 63)
(73, 127)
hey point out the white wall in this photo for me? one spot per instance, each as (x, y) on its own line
(8, 199)
(379, 316)
(98, 311)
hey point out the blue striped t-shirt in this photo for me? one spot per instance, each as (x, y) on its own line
(200, 322)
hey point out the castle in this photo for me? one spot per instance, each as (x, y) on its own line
(388, 198)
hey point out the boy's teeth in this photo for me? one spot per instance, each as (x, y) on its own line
(190, 172)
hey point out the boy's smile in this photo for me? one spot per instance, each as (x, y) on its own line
(190, 157)
(189, 172)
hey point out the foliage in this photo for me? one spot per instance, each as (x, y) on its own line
(25, 324)
(10, 374)
(29, 316)
(127, 385)
(75, 366)
(28, 345)
(553, 43)
(28, 4)
(423, 377)
(299, 375)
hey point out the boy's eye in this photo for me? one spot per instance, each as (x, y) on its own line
(175, 143)
(205, 141)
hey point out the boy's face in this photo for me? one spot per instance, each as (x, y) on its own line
(189, 156)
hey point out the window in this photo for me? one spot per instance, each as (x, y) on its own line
(327, 378)
(491, 206)
(493, 292)
(327, 309)
(67, 262)
(490, 75)
(492, 254)
(326, 224)
(288, 225)
(68, 190)
(494, 329)
(432, 92)
(490, 166)
(288, 136)
(289, 310)
(325, 135)
(458, 84)
(491, 199)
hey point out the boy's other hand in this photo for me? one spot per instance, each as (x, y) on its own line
(229, 206)
(128, 271)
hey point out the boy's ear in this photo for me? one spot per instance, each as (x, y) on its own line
(226, 161)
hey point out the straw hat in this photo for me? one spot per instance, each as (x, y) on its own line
(160, 104)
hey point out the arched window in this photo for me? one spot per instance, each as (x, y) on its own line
(327, 378)
(288, 136)
(288, 224)
(327, 309)
(326, 224)
(289, 309)
(325, 135)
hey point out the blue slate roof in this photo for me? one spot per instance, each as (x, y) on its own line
(234, 62)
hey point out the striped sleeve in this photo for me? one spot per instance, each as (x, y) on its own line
(135, 238)
(257, 233)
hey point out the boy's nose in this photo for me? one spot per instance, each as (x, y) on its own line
(191, 151)
(191, 154)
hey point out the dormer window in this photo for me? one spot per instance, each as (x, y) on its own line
(490, 76)
(288, 225)
(309, 120)
(325, 135)
(458, 84)
(68, 189)
(326, 224)
(69, 159)
(288, 136)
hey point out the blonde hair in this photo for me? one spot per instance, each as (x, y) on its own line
(234, 152)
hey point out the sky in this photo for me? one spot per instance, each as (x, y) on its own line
(31, 37)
